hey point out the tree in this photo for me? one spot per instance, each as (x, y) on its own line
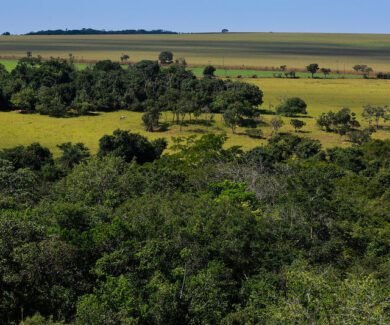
(124, 58)
(325, 120)
(374, 113)
(208, 71)
(128, 146)
(326, 71)
(283, 67)
(364, 69)
(151, 116)
(33, 156)
(359, 136)
(72, 154)
(292, 106)
(341, 121)
(18, 186)
(166, 57)
(225, 31)
(6, 34)
(297, 124)
(313, 68)
(276, 124)
(25, 99)
(106, 66)
(232, 117)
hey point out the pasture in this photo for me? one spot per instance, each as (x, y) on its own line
(240, 50)
(321, 96)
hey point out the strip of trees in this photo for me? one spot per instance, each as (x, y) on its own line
(57, 88)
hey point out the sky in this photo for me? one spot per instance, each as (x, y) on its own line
(334, 16)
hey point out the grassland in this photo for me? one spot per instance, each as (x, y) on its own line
(241, 50)
(321, 96)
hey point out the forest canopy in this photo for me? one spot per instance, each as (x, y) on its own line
(286, 232)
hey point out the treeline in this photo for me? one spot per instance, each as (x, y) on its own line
(56, 88)
(284, 233)
(91, 31)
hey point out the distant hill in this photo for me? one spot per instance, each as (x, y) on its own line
(90, 31)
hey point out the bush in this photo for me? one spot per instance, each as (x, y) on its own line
(291, 107)
(254, 133)
(209, 71)
(130, 146)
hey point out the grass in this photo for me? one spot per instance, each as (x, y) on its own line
(321, 96)
(9, 64)
(241, 50)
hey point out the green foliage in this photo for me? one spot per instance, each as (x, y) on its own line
(72, 154)
(201, 235)
(276, 124)
(209, 71)
(375, 114)
(297, 124)
(341, 122)
(313, 69)
(292, 107)
(129, 146)
(166, 57)
(33, 156)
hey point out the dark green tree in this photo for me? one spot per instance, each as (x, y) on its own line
(313, 69)
(166, 57)
(292, 106)
(128, 146)
(297, 124)
(208, 71)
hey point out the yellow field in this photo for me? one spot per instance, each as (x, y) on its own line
(337, 51)
(321, 96)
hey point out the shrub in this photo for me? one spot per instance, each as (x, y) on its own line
(292, 106)
(254, 133)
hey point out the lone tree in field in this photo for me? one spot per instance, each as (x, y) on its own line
(291, 107)
(297, 124)
(208, 72)
(326, 71)
(125, 58)
(276, 124)
(313, 69)
(224, 31)
(166, 57)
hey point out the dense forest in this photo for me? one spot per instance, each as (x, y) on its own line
(91, 31)
(286, 233)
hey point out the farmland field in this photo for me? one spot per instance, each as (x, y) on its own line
(321, 96)
(337, 51)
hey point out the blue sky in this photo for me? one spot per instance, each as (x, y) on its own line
(355, 16)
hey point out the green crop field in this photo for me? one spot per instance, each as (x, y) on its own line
(321, 96)
(338, 52)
